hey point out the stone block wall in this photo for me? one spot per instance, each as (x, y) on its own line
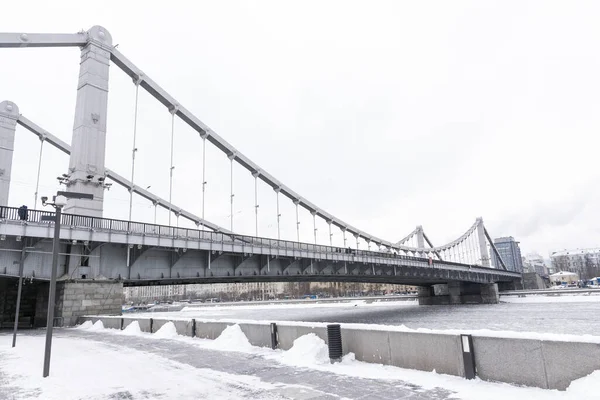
(459, 293)
(84, 297)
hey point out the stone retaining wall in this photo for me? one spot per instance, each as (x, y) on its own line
(547, 364)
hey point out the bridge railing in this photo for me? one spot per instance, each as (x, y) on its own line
(35, 216)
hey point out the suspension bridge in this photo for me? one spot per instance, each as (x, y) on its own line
(108, 252)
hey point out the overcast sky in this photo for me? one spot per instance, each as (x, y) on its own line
(385, 114)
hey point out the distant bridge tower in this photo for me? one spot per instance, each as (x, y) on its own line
(86, 165)
(485, 257)
(420, 239)
(9, 113)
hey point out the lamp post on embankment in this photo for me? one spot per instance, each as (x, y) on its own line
(60, 200)
(19, 291)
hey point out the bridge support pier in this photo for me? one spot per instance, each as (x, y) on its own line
(85, 297)
(459, 293)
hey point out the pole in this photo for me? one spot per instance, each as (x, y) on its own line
(37, 183)
(203, 175)
(52, 294)
(134, 149)
(315, 227)
(297, 222)
(231, 157)
(18, 310)
(256, 201)
(171, 169)
(278, 215)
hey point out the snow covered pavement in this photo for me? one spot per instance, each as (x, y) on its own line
(96, 363)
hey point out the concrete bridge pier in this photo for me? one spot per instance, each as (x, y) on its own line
(459, 293)
(86, 297)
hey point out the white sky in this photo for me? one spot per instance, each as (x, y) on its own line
(385, 114)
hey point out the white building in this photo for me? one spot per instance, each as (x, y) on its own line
(154, 292)
(232, 291)
(564, 276)
(584, 262)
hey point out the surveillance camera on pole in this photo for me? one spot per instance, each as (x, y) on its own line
(60, 200)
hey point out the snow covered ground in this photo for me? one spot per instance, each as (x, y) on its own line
(87, 369)
(95, 363)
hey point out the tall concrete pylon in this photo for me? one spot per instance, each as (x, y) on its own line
(9, 113)
(485, 257)
(420, 239)
(86, 165)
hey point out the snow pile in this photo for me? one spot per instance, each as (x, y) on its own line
(583, 387)
(167, 331)
(541, 298)
(98, 326)
(232, 338)
(307, 350)
(85, 325)
(133, 329)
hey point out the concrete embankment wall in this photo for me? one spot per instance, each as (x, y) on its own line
(548, 364)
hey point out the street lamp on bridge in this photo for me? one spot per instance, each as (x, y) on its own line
(59, 201)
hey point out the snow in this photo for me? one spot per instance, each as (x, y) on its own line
(98, 325)
(402, 328)
(310, 351)
(133, 329)
(547, 298)
(232, 338)
(307, 350)
(85, 325)
(287, 306)
(84, 369)
(167, 331)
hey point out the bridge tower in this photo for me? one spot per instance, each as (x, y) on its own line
(485, 257)
(420, 239)
(9, 113)
(86, 166)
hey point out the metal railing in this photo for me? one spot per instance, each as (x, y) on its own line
(115, 225)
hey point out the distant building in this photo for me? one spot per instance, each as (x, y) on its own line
(583, 262)
(161, 292)
(564, 277)
(224, 291)
(510, 252)
(533, 262)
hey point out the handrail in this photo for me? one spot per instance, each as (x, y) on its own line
(73, 220)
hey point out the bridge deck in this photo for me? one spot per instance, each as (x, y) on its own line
(140, 237)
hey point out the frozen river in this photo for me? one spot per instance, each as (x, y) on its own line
(576, 315)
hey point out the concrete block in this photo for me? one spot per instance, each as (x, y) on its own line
(158, 323)
(369, 346)
(427, 352)
(184, 328)
(517, 361)
(567, 361)
(257, 334)
(210, 330)
(112, 323)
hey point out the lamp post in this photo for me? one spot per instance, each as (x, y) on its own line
(19, 292)
(60, 200)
